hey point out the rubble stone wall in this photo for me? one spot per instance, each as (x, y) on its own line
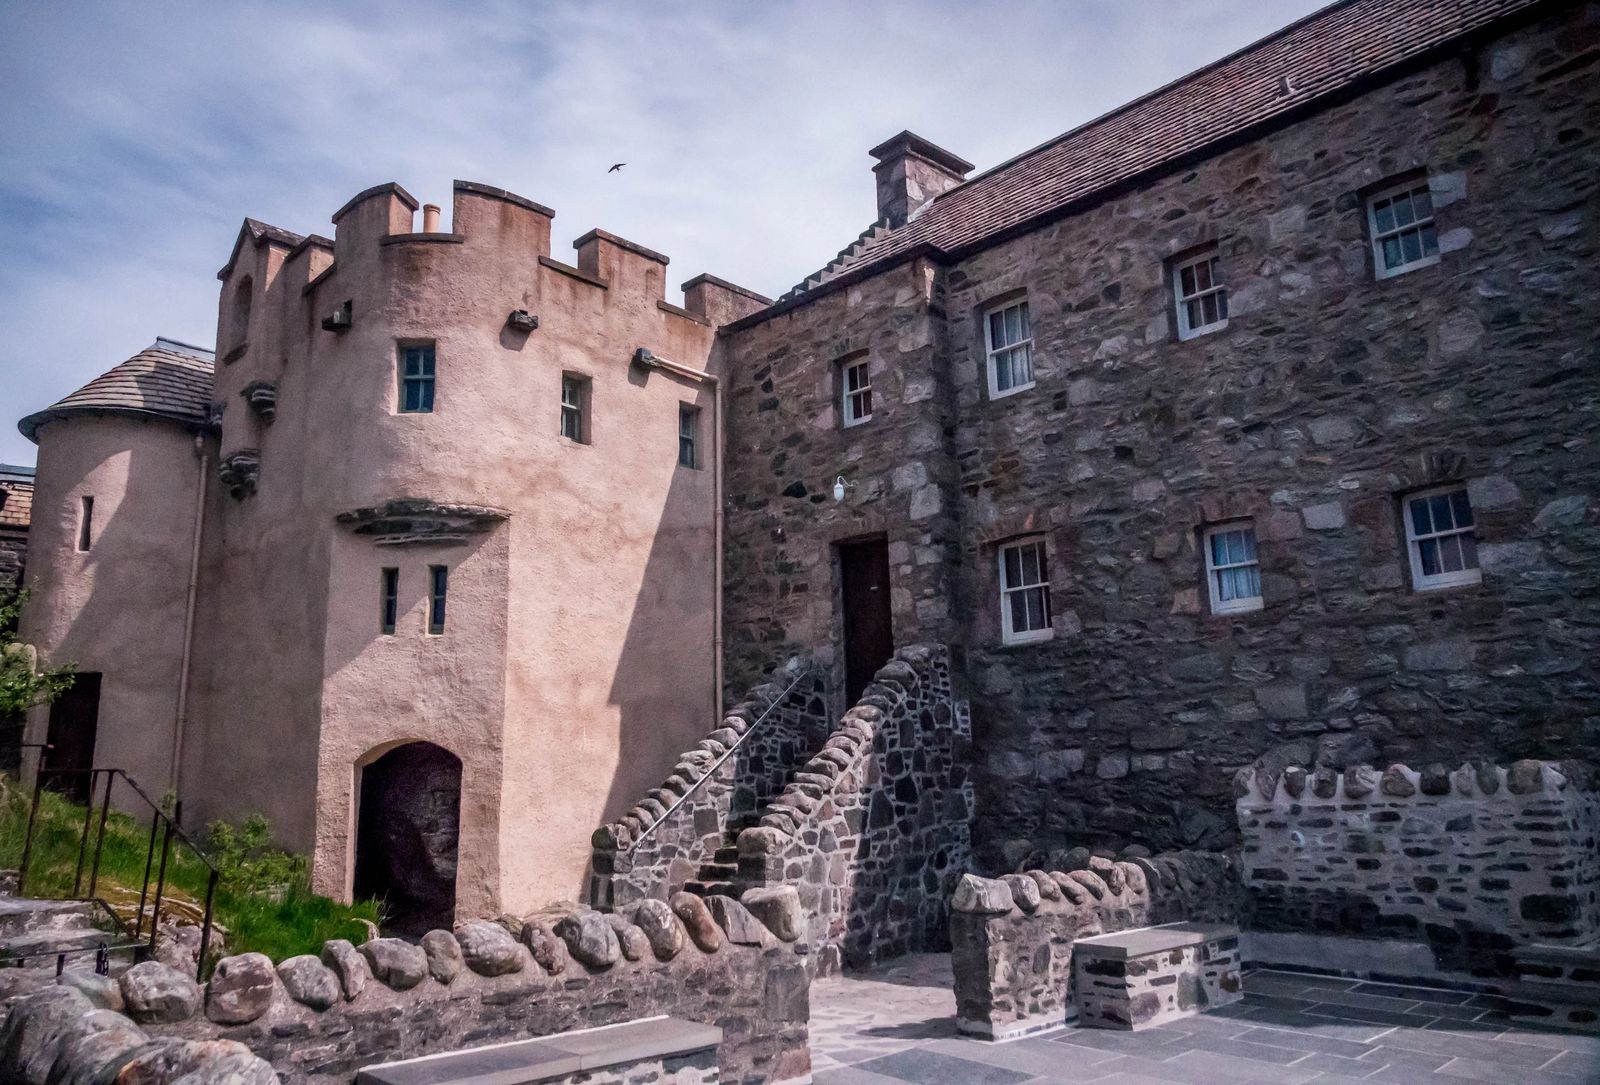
(1474, 861)
(1328, 395)
(648, 853)
(872, 830)
(317, 1019)
(1012, 937)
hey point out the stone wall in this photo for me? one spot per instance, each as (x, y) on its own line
(317, 1019)
(1012, 937)
(872, 830)
(1328, 394)
(647, 853)
(1474, 861)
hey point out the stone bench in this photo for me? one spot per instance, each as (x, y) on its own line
(660, 1049)
(1138, 978)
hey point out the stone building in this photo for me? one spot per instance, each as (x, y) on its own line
(1255, 418)
(1260, 411)
(421, 566)
(16, 505)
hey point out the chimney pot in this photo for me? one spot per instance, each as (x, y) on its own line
(430, 218)
(910, 172)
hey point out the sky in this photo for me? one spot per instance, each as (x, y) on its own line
(136, 137)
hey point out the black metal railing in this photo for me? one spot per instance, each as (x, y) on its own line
(164, 835)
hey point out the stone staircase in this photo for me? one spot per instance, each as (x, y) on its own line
(54, 933)
(720, 875)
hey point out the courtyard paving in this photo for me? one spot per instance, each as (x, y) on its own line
(896, 1024)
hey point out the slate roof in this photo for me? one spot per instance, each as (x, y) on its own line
(167, 379)
(1330, 51)
(16, 497)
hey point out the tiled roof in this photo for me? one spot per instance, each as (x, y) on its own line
(16, 497)
(167, 379)
(1328, 52)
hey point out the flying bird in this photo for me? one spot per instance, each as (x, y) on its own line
(616, 167)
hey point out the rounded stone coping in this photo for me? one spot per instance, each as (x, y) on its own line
(1400, 782)
(1101, 884)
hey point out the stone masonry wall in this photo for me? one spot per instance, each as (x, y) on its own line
(1012, 937)
(1474, 861)
(649, 854)
(317, 1019)
(1329, 394)
(874, 827)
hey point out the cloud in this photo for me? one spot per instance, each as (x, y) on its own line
(139, 135)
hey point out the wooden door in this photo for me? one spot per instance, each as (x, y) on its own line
(868, 628)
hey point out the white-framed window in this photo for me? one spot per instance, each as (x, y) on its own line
(1400, 220)
(575, 408)
(1024, 592)
(855, 391)
(1200, 297)
(1008, 338)
(1233, 571)
(1441, 539)
(688, 435)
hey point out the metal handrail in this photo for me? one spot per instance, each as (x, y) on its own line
(717, 764)
(160, 822)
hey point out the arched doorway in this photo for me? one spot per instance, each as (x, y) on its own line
(406, 836)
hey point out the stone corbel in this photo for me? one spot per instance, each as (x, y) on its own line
(404, 521)
(240, 471)
(263, 399)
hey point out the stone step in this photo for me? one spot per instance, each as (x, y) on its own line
(21, 915)
(728, 853)
(718, 872)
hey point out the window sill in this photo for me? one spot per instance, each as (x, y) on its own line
(1026, 642)
(1429, 587)
(994, 395)
(1227, 611)
(1406, 269)
(857, 422)
(1201, 333)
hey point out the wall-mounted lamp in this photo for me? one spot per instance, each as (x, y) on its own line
(841, 487)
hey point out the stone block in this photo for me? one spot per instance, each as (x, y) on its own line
(1328, 516)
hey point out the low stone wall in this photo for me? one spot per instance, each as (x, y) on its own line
(318, 1019)
(1012, 937)
(872, 829)
(1473, 862)
(647, 854)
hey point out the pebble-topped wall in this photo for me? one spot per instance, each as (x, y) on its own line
(1012, 937)
(1474, 861)
(318, 1018)
(872, 828)
(650, 852)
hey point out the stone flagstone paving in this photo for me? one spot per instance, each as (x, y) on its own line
(896, 1024)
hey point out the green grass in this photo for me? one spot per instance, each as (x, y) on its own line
(262, 902)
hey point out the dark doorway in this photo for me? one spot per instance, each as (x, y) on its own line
(74, 719)
(868, 630)
(406, 837)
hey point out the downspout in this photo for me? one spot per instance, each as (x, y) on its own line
(646, 360)
(182, 716)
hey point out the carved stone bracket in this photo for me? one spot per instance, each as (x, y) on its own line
(263, 399)
(240, 471)
(403, 521)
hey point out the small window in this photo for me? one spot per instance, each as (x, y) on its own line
(1400, 220)
(389, 603)
(1232, 569)
(1441, 539)
(855, 388)
(575, 408)
(688, 436)
(416, 379)
(1024, 592)
(85, 523)
(438, 587)
(1201, 298)
(1008, 337)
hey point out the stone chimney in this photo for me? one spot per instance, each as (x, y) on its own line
(910, 172)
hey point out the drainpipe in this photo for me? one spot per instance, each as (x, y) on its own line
(182, 716)
(646, 360)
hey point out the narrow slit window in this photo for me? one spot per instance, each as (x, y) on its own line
(1008, 338)
(85, 523)
(575, 408)
(1024, 592)
(1400, 220)
(438, 589)
(416, 379)
(855, 386)
(1233, 570)
(688, 436)
(389, 604)
(1442, 539)
(1201, 298)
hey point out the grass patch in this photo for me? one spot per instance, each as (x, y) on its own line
(263, 900)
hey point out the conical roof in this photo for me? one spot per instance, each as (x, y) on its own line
(167, 379)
